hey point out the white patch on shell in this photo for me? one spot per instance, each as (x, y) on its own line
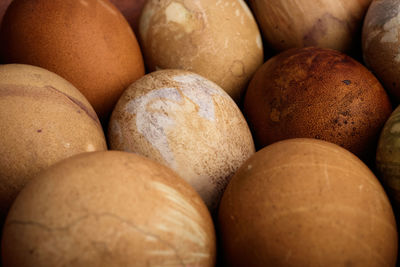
(391, 29)
(90, 148)
(177, 13)
(107, 7)
(154, 125)
(259, 41)
(147, 14)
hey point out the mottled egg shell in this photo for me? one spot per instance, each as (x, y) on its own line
(219, 40)
(317, 93)
(131, 10)
(332, 24)
(105, 209)
(186, 122)
(87, 42)
(306, 202)
(388, 156)
(381, 43)
(43, 119)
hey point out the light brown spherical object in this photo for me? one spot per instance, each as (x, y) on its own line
(317, 93)
(186, 122)
(43, 119)
(219, 40)
(87, 42)
(332, 24)
(381, 44)
(131, 9)
(108, 209)
(306, 202)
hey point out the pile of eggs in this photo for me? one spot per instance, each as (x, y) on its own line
(199, 132)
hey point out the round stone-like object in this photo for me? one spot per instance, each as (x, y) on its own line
(105, 209)
(306, 202)
(388, 156)
(186, 122)
(218, 40)
(43, 119)
(381, 43)
(87, 42)
(334, 24)
(317, 93)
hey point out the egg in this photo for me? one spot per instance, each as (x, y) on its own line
(43, 119)
(218, 40)
(186, 122)
(87, 42)
(381, 44)
(131, 11)
(306, 202)
(108, 209)
(317, 93)
(3, 7)
(388, 156)
(334, 24)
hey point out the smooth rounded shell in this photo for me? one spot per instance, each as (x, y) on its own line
(324, 23)
(317, 93)
(43, 119)
(388, 156)
(306, 202)
(186, 122)
(219, 40)
(108, 209)
(381, 44)
(88, 42)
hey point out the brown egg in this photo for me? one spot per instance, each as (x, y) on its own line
(43, 119)
(332, 24)
(87, 42)
(3, 7)
(219, 40)
(317, 93)
(186, 122)
(381, 44)
(107, 209)
(131, 10)
(306, 202)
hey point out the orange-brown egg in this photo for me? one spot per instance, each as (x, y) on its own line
(87, 42)
(317, 93)
(107, 209)
(43, 119)
(306, 202)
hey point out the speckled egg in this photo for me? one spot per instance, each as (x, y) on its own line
(43, 119)
(87, 42)
(186, 122)
(306, 202)
(219, 40)
(317, 93)
(106, 209)
(381, 43)
(332, 24)
(388, 156)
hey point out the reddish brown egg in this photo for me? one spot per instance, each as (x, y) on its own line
(306, 202)
(3, 7)
(131, 9)
(87, 42)
(317, 93)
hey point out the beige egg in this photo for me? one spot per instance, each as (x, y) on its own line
(108, 209)
(306, 202)
(43, 119)
(186, 122)
(87, 42)
(219, 40)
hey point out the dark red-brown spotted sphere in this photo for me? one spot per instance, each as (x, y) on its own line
(317, 93)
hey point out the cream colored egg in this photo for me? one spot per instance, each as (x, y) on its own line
(108, 209)
(219, 40)
(186, 122)
(43, 119)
